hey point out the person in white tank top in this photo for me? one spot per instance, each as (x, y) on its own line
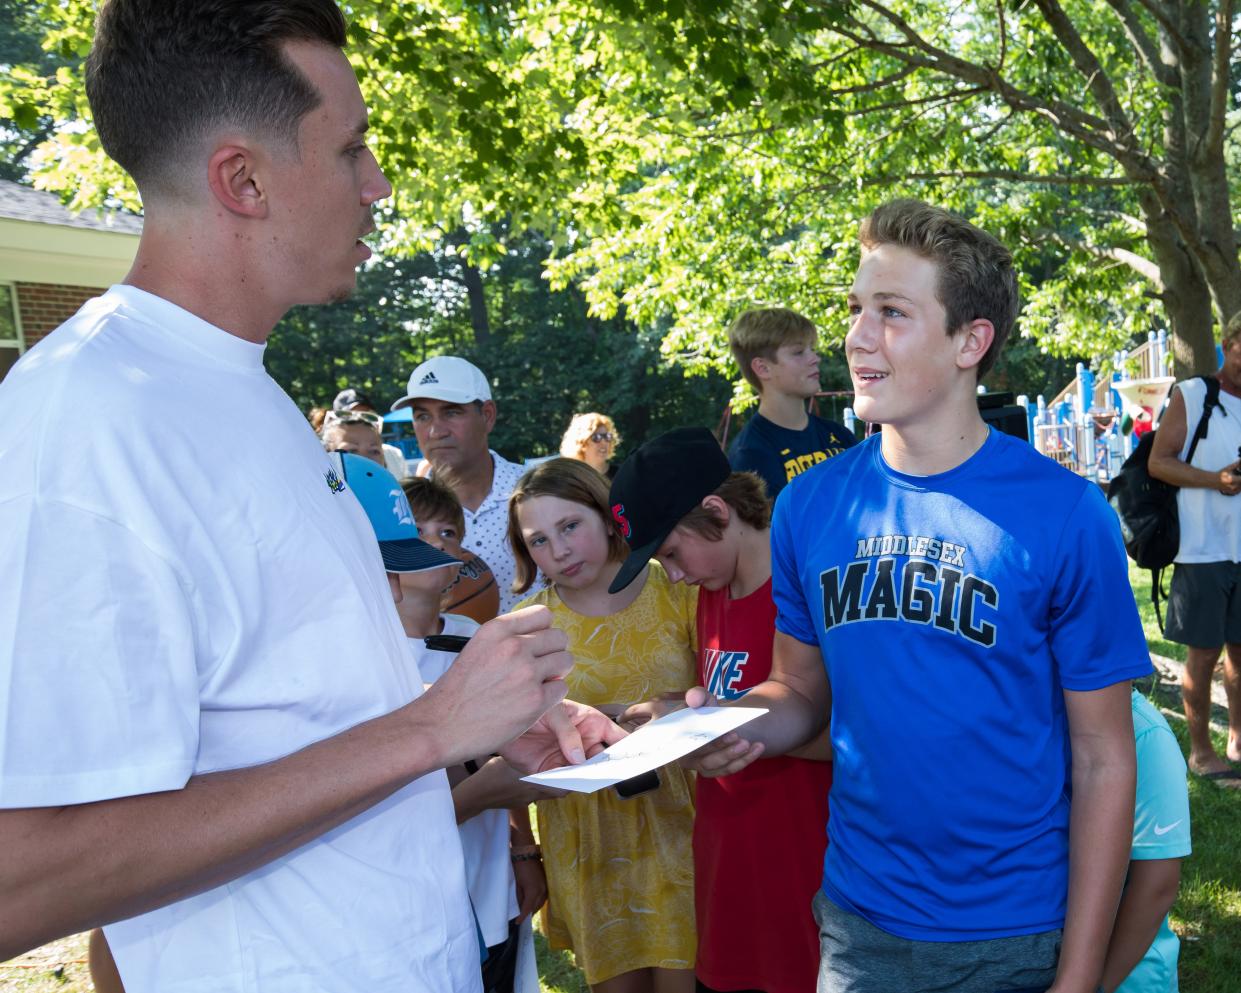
(1204, 606)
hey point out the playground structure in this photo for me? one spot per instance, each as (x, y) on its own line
(1095, 423)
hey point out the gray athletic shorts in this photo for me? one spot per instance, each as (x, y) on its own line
(858, 957)
(1204, 604)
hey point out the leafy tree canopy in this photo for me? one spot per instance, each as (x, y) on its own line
(690, 157)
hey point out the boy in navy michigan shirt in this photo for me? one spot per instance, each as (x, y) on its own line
(957, 607)
(775, 350)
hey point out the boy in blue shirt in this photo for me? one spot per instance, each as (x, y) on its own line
(956, 608)
(775, 350)
(1143, 952)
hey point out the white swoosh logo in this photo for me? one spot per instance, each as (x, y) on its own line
(1164, 830)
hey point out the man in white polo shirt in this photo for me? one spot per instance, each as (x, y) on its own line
(453, 414)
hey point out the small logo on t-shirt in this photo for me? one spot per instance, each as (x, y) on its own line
(428, 378)
(1160, 829)
(334, 482)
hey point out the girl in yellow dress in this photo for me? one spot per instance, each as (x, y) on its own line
(619, 871)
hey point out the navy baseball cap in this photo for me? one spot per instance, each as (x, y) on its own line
(388, 510)
(658, 485)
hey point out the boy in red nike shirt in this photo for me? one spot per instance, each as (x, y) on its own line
(759, 835)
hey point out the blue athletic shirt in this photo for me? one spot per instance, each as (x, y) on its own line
(951, 611)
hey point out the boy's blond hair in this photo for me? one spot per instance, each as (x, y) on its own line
(759, 332)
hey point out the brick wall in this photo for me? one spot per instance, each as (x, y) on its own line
(45, 306)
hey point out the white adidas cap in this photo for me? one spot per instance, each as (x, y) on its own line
(447, 378)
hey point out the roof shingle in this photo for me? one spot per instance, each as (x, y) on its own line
(23, 203)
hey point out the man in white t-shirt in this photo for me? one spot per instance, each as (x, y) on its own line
(453, 414)
(210, 740)
(1204, 604)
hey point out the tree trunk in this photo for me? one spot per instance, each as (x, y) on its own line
(1187, 293)
(473, 280)
(1186, 296)
(1215, 244)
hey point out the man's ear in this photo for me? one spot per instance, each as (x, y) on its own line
(973, 341)
(760, 367)
(232, 175)
(489, 414)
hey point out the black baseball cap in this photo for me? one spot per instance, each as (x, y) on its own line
(658, 485)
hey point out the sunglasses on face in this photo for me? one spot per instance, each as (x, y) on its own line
(353, 417)
(601, 436)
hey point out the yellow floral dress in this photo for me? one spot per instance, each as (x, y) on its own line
(620, 873)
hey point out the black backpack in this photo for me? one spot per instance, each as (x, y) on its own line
(1146, 506)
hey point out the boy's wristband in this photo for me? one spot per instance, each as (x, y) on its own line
(526, 853)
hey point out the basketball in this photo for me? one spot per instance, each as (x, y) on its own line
(473, 593)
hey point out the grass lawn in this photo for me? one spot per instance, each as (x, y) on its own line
(557, 973)
(1207, 914)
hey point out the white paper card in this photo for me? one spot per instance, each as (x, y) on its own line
(652, 745)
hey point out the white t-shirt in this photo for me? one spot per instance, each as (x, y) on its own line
(1210, 521)
(394, 461)
(192, 589)
(484, 838)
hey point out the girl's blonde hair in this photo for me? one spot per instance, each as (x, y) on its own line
(573, 444)
(569, 480)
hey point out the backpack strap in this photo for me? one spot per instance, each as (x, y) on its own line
(1204, 422)
(1157, 594)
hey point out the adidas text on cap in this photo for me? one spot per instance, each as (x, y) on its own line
(447, 378)
(657, 486)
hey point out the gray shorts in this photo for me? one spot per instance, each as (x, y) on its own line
(1204, 604)
(858, 957)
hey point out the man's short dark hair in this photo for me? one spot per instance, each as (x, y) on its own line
(162, 74)
(976, 274)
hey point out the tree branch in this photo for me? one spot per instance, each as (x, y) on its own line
(1140, 264)
(1161, 14)
(1011, 176)
(999, 13)
(996, 128)
(1220, 79)
(816, 66)
(1087, 128)
(878, 84)
(936, 98)
(1087, 63)
(1143, 43)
